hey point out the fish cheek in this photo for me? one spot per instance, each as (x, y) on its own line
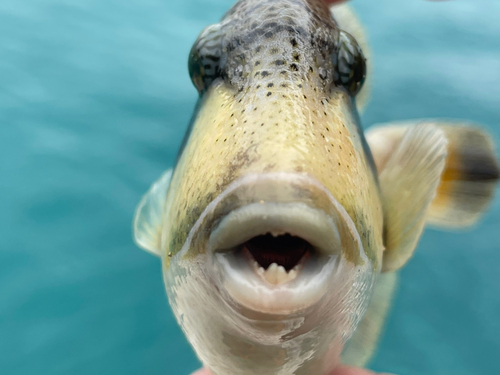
(232, 170)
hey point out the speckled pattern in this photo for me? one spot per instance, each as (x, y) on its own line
(276, 109)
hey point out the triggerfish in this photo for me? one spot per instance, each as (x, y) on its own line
(282, 226)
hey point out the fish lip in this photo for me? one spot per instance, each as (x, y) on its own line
(296, 219)
(249, 287)
(275, 195)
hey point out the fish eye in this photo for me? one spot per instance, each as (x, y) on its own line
(204, 58)
(349, 64)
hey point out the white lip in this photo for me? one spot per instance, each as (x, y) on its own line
(298, 219)
(273, 290)
(277, 203)
(250, 290)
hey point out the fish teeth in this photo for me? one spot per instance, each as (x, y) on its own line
(272, 274)
(276, 274)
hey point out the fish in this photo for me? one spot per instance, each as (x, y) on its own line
(283, 226)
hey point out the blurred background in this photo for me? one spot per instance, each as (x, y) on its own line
(94, 101)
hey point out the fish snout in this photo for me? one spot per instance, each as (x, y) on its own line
(276, 243)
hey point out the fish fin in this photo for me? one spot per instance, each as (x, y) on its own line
(349, 21)
(408, 182)
(363, 344)
(469, 178)
(149, 214)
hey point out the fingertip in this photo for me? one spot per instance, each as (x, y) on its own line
(348, 370)
(203, 371)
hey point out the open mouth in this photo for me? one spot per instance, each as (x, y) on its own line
(285, 251)
(276, 257)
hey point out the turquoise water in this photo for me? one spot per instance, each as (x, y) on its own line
(94, 100)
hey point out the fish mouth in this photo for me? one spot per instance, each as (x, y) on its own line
(283, 252)
(276, 258)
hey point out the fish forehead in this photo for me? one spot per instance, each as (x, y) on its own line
(262, 38)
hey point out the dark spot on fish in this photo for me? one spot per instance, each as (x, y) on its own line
(293, 42)
(269, 93)
(270, 84)
(264, 73)
(294, 67)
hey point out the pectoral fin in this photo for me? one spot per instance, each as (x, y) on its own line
(149, 214)
(409, 178)
(469, 178)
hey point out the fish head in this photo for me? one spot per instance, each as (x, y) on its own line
(271, 233)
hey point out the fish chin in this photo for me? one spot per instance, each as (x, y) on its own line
(273, 288)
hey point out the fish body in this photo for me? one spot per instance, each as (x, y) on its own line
(279, 229)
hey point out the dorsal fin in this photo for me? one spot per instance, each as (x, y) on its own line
(149, 214)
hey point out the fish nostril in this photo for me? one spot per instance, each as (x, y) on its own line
(284, 250)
